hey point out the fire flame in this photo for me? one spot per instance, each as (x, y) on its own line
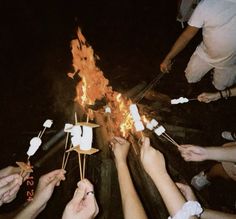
(94, 86)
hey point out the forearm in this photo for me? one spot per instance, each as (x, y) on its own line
(131, 203)
(170, 194)
(182, 42)
(31, 211)
(222, 153)
(211, 214)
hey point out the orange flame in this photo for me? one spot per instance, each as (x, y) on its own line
(94, 86)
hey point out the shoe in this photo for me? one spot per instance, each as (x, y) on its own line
(230, 136)
(200, 181)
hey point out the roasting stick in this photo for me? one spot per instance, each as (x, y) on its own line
(148, 87)
(79, 155)
(168, 138)
(80, 167)
(65, 155)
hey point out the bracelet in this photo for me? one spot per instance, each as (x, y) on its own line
(190, 208)
(229, 92)
(221, 95)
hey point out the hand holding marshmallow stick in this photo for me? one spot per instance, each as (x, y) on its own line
(160, 131)
(181, 100)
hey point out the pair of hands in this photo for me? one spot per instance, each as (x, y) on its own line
(153, 161)
(10, 182)
(83, 205)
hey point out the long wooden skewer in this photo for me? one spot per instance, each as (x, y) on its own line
(168, 138)
(80, 167)
(172, 139)
(40, 136)
(84, 166)
(64, 155)
(66, 159)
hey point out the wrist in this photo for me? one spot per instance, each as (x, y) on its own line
(120, 162)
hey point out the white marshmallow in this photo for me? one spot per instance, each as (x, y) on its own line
(134, 112)
(150, 126)
(76, 130)
(32, 149)
(75, 140)
(174, 101)
(179, 100)
(138, 126)
(154, 122)
(48, 123)
(68, 127)
(160, 130)
(35, 141)
(107, 109)
(34, 146)
(87, 138)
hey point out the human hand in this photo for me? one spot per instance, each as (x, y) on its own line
(83, 205)
(193, 153)
(153, 161)
(120, 148)
(9, 186)
(186, 191)
(9, 170)
(46, 187)
(166, 65)
(208, 97)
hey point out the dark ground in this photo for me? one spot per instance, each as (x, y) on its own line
(131, 39)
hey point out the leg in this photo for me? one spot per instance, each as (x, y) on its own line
(217, 171)
(196, 68)
(224, 77)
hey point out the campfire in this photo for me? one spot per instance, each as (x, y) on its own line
(93, 88)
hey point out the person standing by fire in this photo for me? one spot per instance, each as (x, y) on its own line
(217, 51)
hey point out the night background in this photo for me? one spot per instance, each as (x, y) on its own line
(130, 37)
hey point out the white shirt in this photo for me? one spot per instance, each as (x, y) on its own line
(217, 18)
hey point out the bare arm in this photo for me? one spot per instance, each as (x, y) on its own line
(208, 97)
(131, 203)
(211, 214)
(207, 213)
(178, 46)
(43, 193)
(198, 153)
(222, 153)
(154, 164)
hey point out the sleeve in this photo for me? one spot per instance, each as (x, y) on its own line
(198, 17)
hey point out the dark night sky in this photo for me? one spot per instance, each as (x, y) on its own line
(35, 54)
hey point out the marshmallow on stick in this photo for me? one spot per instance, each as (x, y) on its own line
(82, 136)
(48, 123)
(68, 127)
(87, 138)
(34, 146)
(152, 124)
(107, 109)
(76, 132)
(136, 117)
(179, 100)
(160, 130)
